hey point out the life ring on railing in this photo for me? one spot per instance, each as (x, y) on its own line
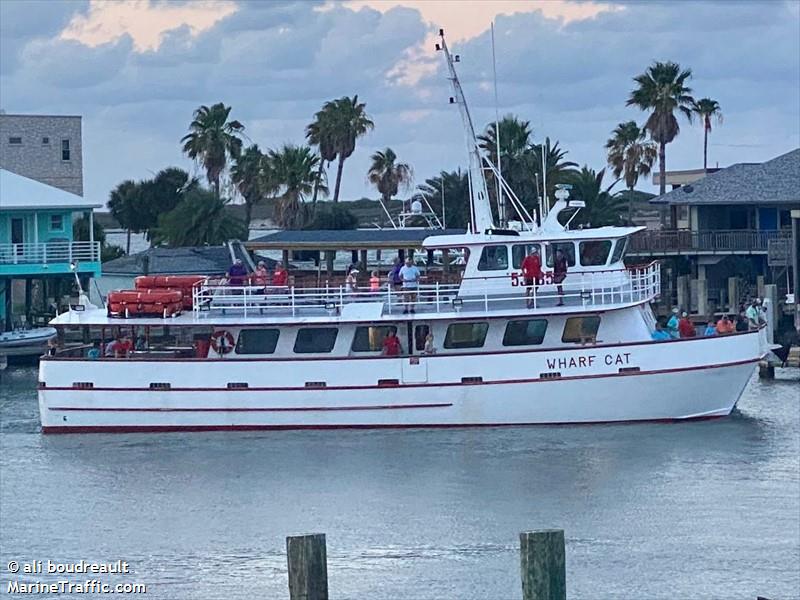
(222, 341)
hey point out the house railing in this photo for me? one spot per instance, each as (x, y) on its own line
(49, 253)
(584, 290)
(719, 241)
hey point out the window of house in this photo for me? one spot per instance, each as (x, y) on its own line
(493, 258)
(568, 248)
(45, 140)
(15, 140)
(65, 150)
(594, 253)
(527, 332)
(520, 251)
(370, 338)
(465, 335)
(619, 250)
(56, 222)
(581, 330)
(311, 340)
(257, 341)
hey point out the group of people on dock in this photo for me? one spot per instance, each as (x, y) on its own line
(678, 327)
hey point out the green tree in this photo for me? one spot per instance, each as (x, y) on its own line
(296, 174)
(212, 140)
(345, 121)
(630, 156)
(254, 179)
(200, 219)
(122, 203)
(320, 133)
(80, 233)
(388, 175)
(556, 167)
(456, 199)
(332, 216)
(662, 90)
(708, 110)
(602, 207)
(515, 160)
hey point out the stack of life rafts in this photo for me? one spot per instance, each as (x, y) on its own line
(155, 296)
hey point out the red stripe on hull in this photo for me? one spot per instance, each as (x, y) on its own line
(199, 428)
(266, 409)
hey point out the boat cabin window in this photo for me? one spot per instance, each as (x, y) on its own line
(520, 251)
(594, 252)
(257, 341)
(619, 250)
(465, 335)
(568, 248)
(420, 335)
(581, 330)
(493, 258)
(311, 340)
(527, 332)
(370, 339)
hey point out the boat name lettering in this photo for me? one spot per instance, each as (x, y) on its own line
(578, 362)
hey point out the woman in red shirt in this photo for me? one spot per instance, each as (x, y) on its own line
(391, 344)
(280, 278)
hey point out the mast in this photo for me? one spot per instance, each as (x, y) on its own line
(480, 209)
(501, 201)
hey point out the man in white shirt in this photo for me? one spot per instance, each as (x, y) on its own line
(410, 275)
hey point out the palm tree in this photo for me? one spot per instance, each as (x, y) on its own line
(662, 90)
(296, 173)
(345, 121)
(319, 133)
(602, 208)
(200, 219)
(557, 169)
(515, 144)
(455, 197)
(212, 140)
(387, 174)
(254, 179)
(630, 156)
(707, 109)
(122, 205)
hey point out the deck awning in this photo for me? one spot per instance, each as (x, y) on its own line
(347, 239)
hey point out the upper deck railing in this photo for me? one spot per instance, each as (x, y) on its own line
(581, 291)
(49, 253)
(685, 241)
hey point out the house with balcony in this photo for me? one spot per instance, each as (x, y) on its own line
(731, 223)
(38, 255)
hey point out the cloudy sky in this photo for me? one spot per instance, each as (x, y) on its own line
(136, 70)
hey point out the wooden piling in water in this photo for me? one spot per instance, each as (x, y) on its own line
(543, 565)
(308, 567)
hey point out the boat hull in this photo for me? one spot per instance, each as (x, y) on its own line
(706, 392)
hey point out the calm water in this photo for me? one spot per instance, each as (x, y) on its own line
(694, 510)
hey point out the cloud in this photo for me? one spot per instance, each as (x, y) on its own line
(275, 63)
(144, 21)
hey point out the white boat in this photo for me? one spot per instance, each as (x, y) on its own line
(248, 357)
(26, 342)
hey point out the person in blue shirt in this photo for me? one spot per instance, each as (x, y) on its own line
(711, 328)
(659, 335)
(94, 351)
(672, 324)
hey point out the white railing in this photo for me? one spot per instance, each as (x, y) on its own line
(579, 291)
(49, 253)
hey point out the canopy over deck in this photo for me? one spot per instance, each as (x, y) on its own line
(347, 239)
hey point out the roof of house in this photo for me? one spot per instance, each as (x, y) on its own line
(775, 181)
(22, 193)
(201, 260)
(325, 239)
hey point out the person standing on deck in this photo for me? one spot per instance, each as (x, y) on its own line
(410, 275)
(351, 281)
(672, 325)
(237, 273)
(753, 314)
(260, 276)
(560, 274)
(375, 282)
(280, 278)
(394, 275)
(532, 273)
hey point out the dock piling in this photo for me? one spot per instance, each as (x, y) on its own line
(308, 567)
(543, 564)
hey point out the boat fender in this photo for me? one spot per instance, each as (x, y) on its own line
(222, 341)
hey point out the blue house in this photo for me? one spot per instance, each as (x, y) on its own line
(38, 255)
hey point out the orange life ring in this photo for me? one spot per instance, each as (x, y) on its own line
(222, 341)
